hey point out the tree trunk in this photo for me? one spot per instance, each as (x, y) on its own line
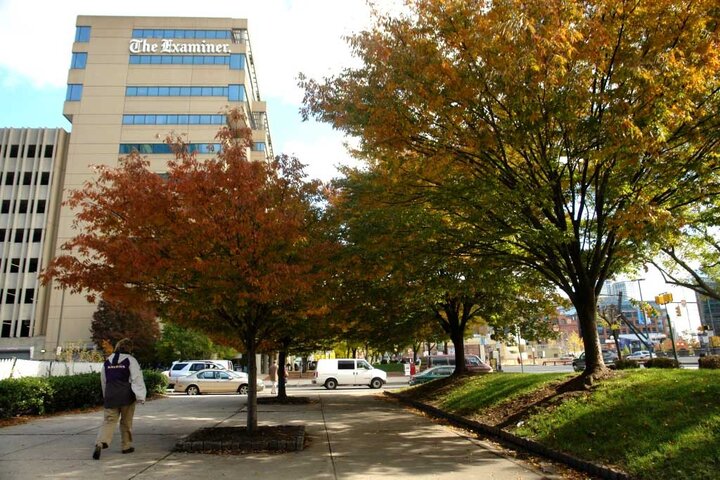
(586, 303)
(252, 387)
(282, 374)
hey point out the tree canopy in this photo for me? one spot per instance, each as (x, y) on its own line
(571, 137)
(217, 244)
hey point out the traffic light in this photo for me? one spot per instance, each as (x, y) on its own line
(677, 311)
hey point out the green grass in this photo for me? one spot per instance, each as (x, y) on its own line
(485, 391)
(653, 424)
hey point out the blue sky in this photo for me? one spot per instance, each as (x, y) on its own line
(287, 37)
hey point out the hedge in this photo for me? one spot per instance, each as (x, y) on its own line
(625, 364)
(661, 362)
(709, 361)
(38, 396)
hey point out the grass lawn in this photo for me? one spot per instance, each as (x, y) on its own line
(651, 423)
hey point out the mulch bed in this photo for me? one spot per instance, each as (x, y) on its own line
(280, 438)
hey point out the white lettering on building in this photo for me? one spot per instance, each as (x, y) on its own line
(167, 45)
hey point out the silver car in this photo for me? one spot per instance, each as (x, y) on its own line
(215, 381)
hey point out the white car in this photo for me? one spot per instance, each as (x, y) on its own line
(641, 355)
(187, 367)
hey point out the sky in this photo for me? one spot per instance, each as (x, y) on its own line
(287, 37)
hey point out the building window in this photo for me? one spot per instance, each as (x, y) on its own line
(10, 296)
(164, 148)
(37, 235)
(9, 178)
(48, 151)
(31, 150)
(161, 119)
(79, 60)
(3, 233)
(19, 235)
(5, 206)
(14, 150)
(29, 295)
(14, 265)
(32, 265)
(82, 34)
(27, 178)
(74, 92)
(237, 61)
(236, 93)
(24, 328)
(179, 59)
(40, 206)
(6, 326)
(45, 178)
(23, 206)
(165, 33)
(259, 147)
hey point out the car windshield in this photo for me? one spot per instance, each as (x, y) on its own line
(364, 364)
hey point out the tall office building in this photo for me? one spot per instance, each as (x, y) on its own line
(133, 80)
(32, 161)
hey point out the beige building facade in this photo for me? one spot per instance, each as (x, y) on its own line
(133, 81)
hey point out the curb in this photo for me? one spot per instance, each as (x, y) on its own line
(601, 471)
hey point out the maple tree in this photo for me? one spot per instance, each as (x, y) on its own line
(568, 136)
(217, 244)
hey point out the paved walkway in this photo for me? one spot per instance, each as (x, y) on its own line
(353, 434)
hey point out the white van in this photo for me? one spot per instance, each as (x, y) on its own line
(332, 372)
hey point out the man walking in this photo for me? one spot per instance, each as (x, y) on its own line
(123, 386)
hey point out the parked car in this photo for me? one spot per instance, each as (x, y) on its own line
(609, 358)
(215, 381)
(333, 372)
(473, 364)
(432, 373)
(641, 355)
(187, 367)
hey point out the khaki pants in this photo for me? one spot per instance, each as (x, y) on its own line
(110, 420)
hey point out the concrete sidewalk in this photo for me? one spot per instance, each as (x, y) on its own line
(353, 433)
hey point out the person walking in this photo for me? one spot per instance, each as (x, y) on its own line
(122, 386)
(273, 372)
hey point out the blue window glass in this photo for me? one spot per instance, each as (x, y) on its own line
(164, 91)
(185, 91)
(164, 148)
(236, 93)
(174, 91)
(194, 119)
(145, 60)
(237, 61)
(139, 119)
(150, 119)
(137, 33)
(161, 119)
(74, 92)
(169, 34)
(221, 60)
(165, 60)
(142, 91)
(131, 92)
(172, 119)
(204, 119)
(189, 33)
(79, 60)
(152, 91)
(127, 119)
(183, 119)
(259, 146)
(218, 92)
(134, 59)
(200, 34)
(195, 91)
(82, 34)
(206, 91)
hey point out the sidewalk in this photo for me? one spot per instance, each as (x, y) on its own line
(353, 434)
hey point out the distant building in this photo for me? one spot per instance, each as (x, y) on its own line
(709, 312)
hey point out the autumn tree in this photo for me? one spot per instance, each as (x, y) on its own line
(569, 136)
(412, 262)
(217, 244)
(113, 322)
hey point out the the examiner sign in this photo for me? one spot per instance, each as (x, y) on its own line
(170, 46)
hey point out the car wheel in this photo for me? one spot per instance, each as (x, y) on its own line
(192, 390)
(331, 384)
(376, 383)
(243, 389)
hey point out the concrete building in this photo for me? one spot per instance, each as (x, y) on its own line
(32, 162)
(132, 81)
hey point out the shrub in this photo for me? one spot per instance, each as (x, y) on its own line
(661, 362)
(155, 382)
(625, 364)
(23, 396)
(74, 391)
(710, 361)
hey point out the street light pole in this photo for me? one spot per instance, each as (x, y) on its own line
(664, 299)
